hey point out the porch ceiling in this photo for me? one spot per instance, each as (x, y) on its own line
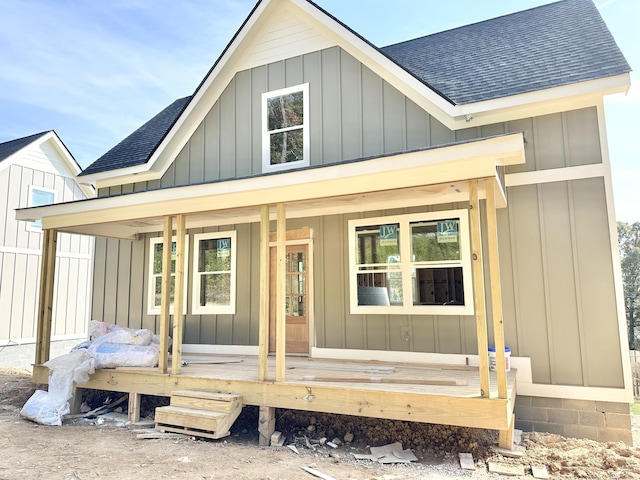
(432, 176)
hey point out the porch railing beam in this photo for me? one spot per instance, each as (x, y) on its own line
(263, 332)
(496, 293)
(178, 298)
(281, 251)
(165, 294)
(45, 295)
(478, 287)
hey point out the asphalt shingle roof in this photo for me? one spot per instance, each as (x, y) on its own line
(12, 146)
(543, 47)
(138, 147)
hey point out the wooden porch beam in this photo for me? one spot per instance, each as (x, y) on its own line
(263, 332)
(496, 291)
(478, 287)
(165, 294)
(45, 295)
(281, 251)
(178, 298)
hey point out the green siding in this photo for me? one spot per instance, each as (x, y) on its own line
(553, 237)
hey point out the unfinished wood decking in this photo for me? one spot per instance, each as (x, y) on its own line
(441, 394)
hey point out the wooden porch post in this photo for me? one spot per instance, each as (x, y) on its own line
(281, 251)
(45, 295)
(178, 299)
(478, 288)
(496, 290)
(165, 294)
(263, 333)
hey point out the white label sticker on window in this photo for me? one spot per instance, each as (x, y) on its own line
(388, 235)
(447, 231)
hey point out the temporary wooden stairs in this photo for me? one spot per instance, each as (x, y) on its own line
(199, 413)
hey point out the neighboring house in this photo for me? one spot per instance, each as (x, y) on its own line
(423, 191)
(39, 170)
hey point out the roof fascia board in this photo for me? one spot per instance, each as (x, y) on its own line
(468, 160)
(541, 102)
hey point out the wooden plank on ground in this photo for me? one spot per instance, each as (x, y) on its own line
(466, 461)
(506, 469)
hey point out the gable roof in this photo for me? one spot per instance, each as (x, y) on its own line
(57, 157)
(455, 75)
(12, 146)
(543, 47)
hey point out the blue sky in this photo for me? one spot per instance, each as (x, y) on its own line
(94, 71)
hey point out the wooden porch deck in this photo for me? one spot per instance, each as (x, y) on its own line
(434, 393)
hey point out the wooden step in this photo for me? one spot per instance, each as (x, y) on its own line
(215, 424)
(213, 401)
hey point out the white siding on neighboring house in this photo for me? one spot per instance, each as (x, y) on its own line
(39, 166)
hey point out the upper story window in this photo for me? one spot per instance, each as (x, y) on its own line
(285, 128)
(39, 196)
(411, 264)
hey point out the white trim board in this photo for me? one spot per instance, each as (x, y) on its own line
(557, 175)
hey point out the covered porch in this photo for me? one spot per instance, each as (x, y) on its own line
(464, 172)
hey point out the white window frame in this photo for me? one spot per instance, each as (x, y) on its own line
(198, 309)
(406, 265)
(152, 309)
(266, 134)
(36, 226)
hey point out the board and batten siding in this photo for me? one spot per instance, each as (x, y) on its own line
(20, 253)
(558, 283)
(553, 237)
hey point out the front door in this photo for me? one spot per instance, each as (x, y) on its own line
(296, 300)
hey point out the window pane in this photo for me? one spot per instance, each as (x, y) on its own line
(285, 111)
(158, 291)
(286, 146)
(298, 306)
(380, 288)
(378, 244)
(215, 289)
(157, 258)
(297, 283)
(215, 255)
(439, 286)
(435, 241)
(41, 197)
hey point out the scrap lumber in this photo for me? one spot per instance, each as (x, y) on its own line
(466, 461)
(506, 469)
(96, 410)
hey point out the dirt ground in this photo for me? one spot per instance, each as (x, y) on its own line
(88, 450)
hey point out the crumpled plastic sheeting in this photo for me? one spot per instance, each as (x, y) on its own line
(48, 408)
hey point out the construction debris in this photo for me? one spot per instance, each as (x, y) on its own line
(539, 471)
(505, 468)
(466, 461)
(392, 453)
